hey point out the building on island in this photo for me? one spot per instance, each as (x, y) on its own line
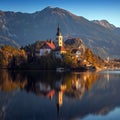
(76, 53)
(46, 48)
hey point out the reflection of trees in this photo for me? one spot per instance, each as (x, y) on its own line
(77, 83)
(90, 78)
(7, 83)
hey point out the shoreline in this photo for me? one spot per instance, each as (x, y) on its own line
(66, 70)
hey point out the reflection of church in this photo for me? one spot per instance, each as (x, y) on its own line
(42, 89)
(59, 100)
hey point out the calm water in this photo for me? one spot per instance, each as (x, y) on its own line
(35, 95)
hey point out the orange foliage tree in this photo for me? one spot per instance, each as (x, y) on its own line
(11, 56)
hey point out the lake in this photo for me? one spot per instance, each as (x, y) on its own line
(41, 95)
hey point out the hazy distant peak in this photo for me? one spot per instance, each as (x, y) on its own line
(104, 23)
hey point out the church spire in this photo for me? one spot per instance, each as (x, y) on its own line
(58, 31)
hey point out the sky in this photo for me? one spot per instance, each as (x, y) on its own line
(90, 9)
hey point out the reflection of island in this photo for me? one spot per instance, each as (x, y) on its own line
(87, 90)
(43, 84)
(74, 84)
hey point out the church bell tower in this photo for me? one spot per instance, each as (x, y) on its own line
(59, 37)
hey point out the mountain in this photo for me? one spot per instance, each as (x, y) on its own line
(5, 35)
(23, 28)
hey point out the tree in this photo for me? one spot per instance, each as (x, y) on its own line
(10, 56)
(95, 60)
(66, 60)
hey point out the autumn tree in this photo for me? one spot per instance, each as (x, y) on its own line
(10, 56)
(95, 60)
(66, 60)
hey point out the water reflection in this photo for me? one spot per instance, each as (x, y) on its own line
(41, 83)
(80, 94)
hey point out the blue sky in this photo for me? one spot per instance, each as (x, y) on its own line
(90, 9)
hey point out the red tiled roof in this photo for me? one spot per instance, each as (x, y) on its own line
(51, 45)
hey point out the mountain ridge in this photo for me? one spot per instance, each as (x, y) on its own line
(105, 24)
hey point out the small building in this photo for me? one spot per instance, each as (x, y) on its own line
(76, 53)
(46, 48)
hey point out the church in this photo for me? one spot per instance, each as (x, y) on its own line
(59, 43)
(57, 46)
